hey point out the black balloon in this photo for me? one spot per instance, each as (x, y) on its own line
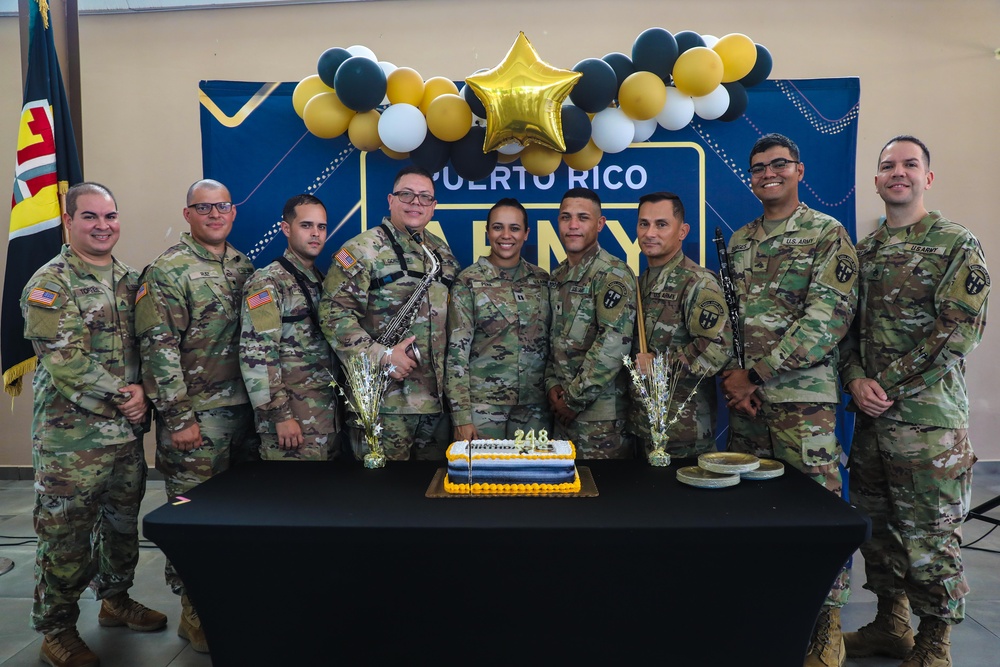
(655, 50)
(360, 83)
(738, 100)
(467, 156)
(761, 69)
(688, 39)
(432, 154)
(621, 64)
(474, 102)
(598, 86)
(329, 62)
(576, 128)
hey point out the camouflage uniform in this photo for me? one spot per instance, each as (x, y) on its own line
(923, 309)
(187, 318)
(366, 286)
(286, 362)
(593, 317)
(685, 314)
(90, 474)
(797, 294)
(498, 344)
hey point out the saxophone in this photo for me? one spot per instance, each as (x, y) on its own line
(401, 322)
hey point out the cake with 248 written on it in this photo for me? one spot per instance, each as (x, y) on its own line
(523, 466)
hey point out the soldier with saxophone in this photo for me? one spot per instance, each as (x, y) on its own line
(386, 295)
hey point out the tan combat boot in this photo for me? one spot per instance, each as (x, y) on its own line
(889, 634)
(190, 627)
(66, 649)
(827, 646)
(933, 645)
(123, 610)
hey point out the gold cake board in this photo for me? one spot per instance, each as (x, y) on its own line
(588, 489)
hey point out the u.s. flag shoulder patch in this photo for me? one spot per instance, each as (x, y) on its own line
(345, 258)
(42, 296)
(143, 291)
(259, 299)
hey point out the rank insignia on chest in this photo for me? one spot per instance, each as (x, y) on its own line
(519, 296)
(42, 296)
(846, 268)
(977, 280)
(259, 299)
(345, 258)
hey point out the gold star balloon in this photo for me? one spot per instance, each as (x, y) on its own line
(523, 96)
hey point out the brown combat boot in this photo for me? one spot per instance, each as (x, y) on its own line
(827, 646)
(123, 610)
(190, 627)
(66, 649)
(933, 645)
(889, 634)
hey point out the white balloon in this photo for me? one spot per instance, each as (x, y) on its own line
(713, 105)
(677, 111)
(387, 69)
(402, 128)
(512, 148)
(710, 40)
(363, 51)
(613, 130)
(644, 129)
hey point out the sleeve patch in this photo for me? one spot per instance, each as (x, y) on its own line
(612, 300)
(710, 318)
(42, 296)
(972, 287)
(840, 273)
(259, 299)
(143, 291)
(345, 258)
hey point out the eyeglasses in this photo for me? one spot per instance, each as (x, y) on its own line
(220, 206)
(407, 197)
(775, 165)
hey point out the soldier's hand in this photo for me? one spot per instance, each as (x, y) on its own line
(747, 406)
(644, 362)
(289, 434)
(556, 397)
(401, 359)
(466, 432)
(736, 386)
(187, 439)
(869, 396)
(557, 401)
(135, 406)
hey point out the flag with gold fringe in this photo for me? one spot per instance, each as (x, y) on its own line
(46, 165)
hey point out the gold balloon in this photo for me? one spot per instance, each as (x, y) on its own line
(435, 87)
(523, 97)
(305, 90)
(540, 160)
(738, 54)
(586, 159)
(326, 116)
(363, 131)
(698, 71)
(393, 154)
(449, 117)
(404, 86)
(642, 95)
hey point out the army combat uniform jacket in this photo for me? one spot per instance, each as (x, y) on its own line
(286, 362)
(187, 317)
(685, 315)
(593, 316)
(499, 337)
(82, 331)
(923, 309)
(797, 295)
(370, 280)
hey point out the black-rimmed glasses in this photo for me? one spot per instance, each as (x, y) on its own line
(407, 197)
(220, 206)
(776, 165)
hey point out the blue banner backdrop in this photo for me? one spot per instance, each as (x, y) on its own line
(253, 141)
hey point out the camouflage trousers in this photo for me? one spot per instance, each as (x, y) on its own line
(597, 440)
(500, 421)
(679, 450)
(420, 437)
(228, 438)
(86, 518)
(803, 435)
(915, 482)
(313, 448)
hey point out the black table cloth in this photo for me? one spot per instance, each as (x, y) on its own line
(342, 565)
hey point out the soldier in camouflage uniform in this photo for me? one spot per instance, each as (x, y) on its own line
(89, 417)
(499, 336)
(187, 318)
(924, 287)
(685, 315)
(286, 362)
(371, 278)
(795, 271)
(593, 316)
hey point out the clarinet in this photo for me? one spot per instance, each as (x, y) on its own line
(732, 299)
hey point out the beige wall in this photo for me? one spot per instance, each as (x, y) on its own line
(926, 67)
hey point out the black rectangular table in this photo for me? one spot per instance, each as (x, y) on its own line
(342, 565)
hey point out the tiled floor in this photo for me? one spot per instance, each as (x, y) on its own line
(975, 643)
